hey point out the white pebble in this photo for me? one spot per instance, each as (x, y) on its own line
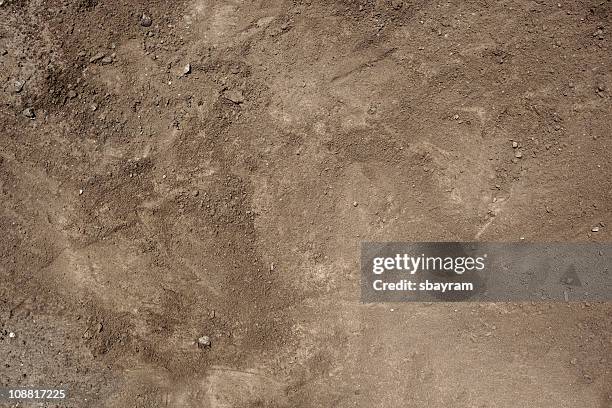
(204, 341)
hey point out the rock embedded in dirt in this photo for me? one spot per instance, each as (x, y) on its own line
(514, 145)
(18, 86)
(145, 20)
(234, 95)
(187, 69)
(518, 154)
(96, 57)
(29, 113)
(599, 34)
(106, 60)
(595, 229)
(204, 342)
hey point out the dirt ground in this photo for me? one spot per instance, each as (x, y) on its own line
(186, 168)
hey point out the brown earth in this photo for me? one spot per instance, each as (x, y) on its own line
(215, 172)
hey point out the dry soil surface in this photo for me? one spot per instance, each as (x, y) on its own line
(186, 168)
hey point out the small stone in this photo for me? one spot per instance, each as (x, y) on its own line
(574, 361)
(195, 193)
(72, 94)
(81, 191)
(455, 116)
(12, 335)
(518, 154)
(355, 203)
(234, 95)
(397, 4)
(18, 86)
(187, 69)
(106, 60)
(29, 113)
(514, 145)
(204, 342)
(145, 20)
(601, 87)
(96, 57)
(94, 107)
(595, 229)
